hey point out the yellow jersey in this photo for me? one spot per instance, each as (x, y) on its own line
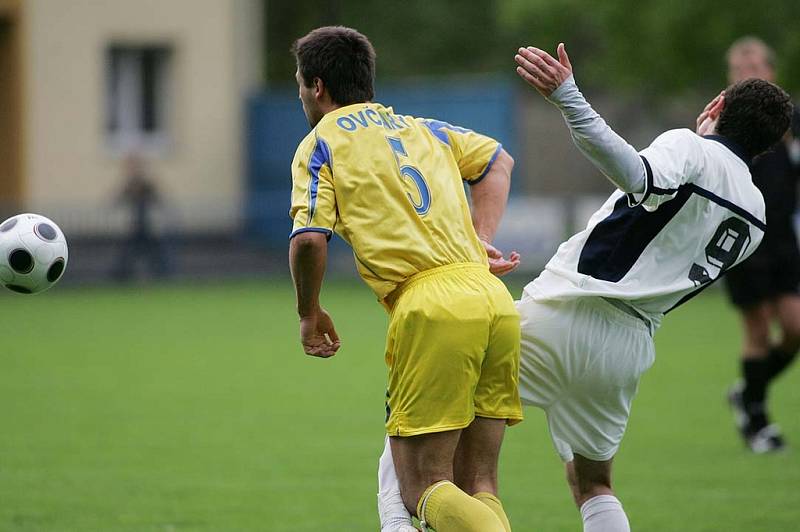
(392, 187)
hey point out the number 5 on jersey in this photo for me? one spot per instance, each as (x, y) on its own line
(410, 173)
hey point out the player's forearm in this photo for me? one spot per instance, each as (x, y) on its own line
(489, 197)
(308, 254)
(609, 152)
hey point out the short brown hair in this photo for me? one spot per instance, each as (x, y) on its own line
(756, 115)
(342, 58)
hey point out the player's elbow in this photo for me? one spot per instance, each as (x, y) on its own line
(309, 240)
(506, 160)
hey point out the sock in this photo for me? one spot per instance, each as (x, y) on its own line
(777, 361)
(392, 511)
(496, 506)
(446, 508)
(755, 371)
(604, 513)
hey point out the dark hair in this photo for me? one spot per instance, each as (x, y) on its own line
(342, 58)
(756, 115)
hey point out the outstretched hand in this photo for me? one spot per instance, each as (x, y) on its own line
(318, 335)
(498, 264)
(541, 70)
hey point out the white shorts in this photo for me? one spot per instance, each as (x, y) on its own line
(581, 361)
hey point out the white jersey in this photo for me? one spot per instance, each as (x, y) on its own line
(699, 216)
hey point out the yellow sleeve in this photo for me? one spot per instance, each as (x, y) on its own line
(474, 153)
(313, 198)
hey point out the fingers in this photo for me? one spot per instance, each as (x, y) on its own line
(717, 109)
(710, 114)
(710, 104)
(706, 110)
(500, 267)
(530, 73)
(491, 251)
(331, 333)
(541, 70)
(531, 61)
(321, 348)
(701, 118)
(714, 102)
(547, 59)
(532, 80)
(563, 58)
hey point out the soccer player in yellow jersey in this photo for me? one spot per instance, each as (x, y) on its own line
(392, 187)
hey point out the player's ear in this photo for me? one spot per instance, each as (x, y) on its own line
(319, 88)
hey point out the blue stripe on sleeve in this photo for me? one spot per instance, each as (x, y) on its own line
(438, 127)
(326, 232)
(319, 157)
(488, 166)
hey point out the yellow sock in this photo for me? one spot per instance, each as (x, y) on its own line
(496, 506)
(446, 508)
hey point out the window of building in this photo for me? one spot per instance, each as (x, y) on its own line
(138, 98)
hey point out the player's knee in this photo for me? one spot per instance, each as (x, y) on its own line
(473, 484)
(584, 492)
(475, 475)
(756, 346)
(588, 478)
(791, 336)
(572, 482)
(757, 332)
(413, 486)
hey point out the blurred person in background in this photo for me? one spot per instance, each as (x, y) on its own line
(141, 198)
(766, 287)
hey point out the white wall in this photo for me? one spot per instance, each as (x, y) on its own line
(70, 168)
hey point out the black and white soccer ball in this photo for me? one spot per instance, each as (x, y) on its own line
(33, 253)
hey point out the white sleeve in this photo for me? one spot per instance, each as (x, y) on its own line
(609, 152)
(673, 159)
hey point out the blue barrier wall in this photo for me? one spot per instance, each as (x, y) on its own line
(276, 124)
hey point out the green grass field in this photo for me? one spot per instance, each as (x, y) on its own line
(183, 408)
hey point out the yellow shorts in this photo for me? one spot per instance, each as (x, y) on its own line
(453, 351)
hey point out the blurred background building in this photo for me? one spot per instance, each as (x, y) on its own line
(203, 92)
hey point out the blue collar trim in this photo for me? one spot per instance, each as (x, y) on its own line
(735, 148)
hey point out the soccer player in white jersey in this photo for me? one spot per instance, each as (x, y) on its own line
(685, 212)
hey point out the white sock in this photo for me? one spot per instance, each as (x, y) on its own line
(392, 511)
(604, 513)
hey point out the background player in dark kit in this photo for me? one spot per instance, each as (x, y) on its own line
(765, 288)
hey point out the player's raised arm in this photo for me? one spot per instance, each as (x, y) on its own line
(609, 152)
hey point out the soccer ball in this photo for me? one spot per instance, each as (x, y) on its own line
(33, 253)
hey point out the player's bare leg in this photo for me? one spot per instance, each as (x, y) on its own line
(756, 330)
(761, 363)
(392, 511)
(787, 311)
(477, 455)
(475, 463)
(424, 466)
(590, 482)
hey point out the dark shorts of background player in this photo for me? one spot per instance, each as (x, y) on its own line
(772, 271)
